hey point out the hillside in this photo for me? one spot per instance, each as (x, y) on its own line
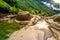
(33, 6)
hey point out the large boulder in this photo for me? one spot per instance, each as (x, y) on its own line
(22, 16)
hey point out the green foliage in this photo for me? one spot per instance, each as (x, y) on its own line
(33, 6)
(7, 8)
(4, 6)
(6, 28)
(11, 2)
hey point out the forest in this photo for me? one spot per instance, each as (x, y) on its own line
(33, 6)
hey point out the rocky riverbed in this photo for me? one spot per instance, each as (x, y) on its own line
(37, 27)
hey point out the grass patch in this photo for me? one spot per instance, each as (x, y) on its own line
(6, 28)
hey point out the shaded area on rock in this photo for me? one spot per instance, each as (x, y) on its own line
(23, 16)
